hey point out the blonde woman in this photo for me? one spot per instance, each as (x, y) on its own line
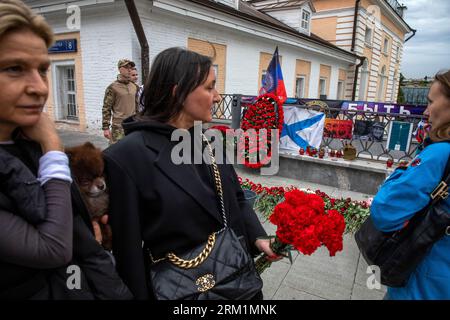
(40, 233)
(35, 216)
(406, 192)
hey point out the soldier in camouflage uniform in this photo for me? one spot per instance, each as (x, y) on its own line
(119, 103)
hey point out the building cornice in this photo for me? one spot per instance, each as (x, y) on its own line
(212, 12)
(63, 5)
(393, 16)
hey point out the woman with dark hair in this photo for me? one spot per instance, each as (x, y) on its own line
(156, 206)
(408, 190)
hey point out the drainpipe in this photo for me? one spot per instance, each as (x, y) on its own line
(355, 21)
(414, 33)
(132, 11)
(355, 79)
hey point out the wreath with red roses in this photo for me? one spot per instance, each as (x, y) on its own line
(265, 113)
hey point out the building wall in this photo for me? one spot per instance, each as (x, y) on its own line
(290, 17)
(333, 21)
(325, 73)
(329, 11)
(264, 61)
(322, 5)
(325, 28)
(244, 61)
(107, 35)
(218, 52)
(303, 68)
(342, 77)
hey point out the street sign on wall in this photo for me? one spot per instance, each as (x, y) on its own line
(64, 46)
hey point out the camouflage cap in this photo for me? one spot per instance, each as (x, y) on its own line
(125, 62)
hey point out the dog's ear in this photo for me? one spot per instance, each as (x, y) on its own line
(89, 144)
(69, 152)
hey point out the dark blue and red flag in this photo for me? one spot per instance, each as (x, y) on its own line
(273, 80)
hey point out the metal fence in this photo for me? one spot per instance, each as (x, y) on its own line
(222, 110)
(373, 150)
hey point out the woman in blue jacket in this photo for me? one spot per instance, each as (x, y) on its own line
(406, 192)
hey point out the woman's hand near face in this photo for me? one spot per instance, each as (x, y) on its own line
(44, 132)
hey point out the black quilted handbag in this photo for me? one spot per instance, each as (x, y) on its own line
(221, 269)
(398, 253)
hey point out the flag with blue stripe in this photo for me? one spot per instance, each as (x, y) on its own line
(302, 128)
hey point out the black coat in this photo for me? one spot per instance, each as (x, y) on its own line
(165, 207)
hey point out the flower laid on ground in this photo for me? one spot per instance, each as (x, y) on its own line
(265, 113)
(354, 212)
(304, 224)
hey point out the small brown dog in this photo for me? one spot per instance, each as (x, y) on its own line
(87, 166)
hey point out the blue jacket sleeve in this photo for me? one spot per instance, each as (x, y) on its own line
(406, 192)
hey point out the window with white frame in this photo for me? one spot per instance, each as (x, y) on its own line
(216, 70)
(380, 95)
(394, 83)
(368, 36)
(65, 90)
(386, 46)
(363, 81)
(306, 17)
(340, 90)
(300, 87)
(323, 86)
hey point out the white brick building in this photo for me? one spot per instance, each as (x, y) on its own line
(244, 40)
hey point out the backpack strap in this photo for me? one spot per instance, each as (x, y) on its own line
(441, 191)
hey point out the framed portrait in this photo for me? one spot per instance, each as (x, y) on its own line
(338, 129)
(368, 130)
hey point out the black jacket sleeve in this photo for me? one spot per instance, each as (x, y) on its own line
(126, 229)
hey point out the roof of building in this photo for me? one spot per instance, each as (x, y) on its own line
(279, 5)
(249, 13)
(396, 6)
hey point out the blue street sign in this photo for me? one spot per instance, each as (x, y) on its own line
(64, 46)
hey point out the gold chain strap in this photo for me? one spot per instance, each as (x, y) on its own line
(192, 263)
(188, 264)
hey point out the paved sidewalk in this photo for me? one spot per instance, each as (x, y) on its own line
(316, 277)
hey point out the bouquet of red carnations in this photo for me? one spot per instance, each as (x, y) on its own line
(303, 224)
